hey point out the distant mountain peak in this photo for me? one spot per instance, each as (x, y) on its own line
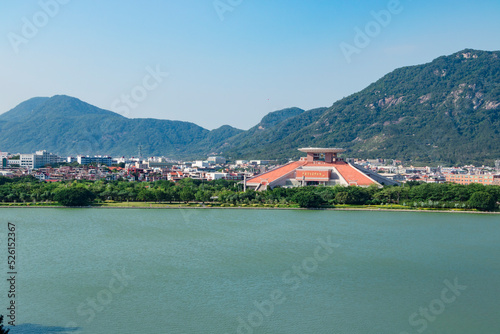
(69, 126)
(57, 105)
(278, 116)
(445, 111)
(64, 104)
(472, 53)
(24, 109)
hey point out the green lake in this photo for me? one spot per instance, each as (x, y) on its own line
(154, 271)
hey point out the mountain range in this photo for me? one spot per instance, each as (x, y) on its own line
(68, 126)
(443, 112)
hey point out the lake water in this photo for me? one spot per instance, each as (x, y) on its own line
(159, 271)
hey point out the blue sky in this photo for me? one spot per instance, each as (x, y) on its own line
(228, 61)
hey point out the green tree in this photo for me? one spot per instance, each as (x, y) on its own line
(172, 194)
(308, 199)
(483, 201)
(187, 194)
(352, 195)
(203, 196)
(342, 197)
(160, 195)
(2, 329)
(74, 196)
(146, 195)
(495, 192)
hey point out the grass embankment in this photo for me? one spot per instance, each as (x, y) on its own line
(112, 204)
(155, 205)
(388, 207)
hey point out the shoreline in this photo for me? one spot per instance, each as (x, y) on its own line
(246, 208)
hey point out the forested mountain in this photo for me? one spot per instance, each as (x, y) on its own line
(446, 111)
(259, 141)
(66, 125)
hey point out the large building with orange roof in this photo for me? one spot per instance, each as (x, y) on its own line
(321, 166)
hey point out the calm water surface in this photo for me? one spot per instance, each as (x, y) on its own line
(253, 271)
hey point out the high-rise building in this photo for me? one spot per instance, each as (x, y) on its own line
(39, 159)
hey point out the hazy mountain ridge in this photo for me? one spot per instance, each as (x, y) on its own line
(66, 125)
(446, 111)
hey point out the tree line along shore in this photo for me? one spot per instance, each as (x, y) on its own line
(29, 191)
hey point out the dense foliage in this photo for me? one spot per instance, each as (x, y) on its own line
(412, 195)
(482, 200)
(68, 126)
(443, 112)
(74, 196)
(2, 329)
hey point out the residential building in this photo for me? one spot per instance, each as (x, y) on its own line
(200, 164)
(260, 162)
(486, 179)
(215, 176)
(159, 164)
(13, 162)
(6, 173)
(217, 160)
(37, 160)
(141, 165)
(97, 159)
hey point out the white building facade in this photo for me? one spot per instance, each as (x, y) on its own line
(217, 160)
(38, 160)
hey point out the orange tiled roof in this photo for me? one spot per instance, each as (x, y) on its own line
(276, 173)
(353, 175)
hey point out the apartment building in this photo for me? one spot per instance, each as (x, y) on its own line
(38, 159)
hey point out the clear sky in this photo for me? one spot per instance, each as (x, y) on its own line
(228, 61)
